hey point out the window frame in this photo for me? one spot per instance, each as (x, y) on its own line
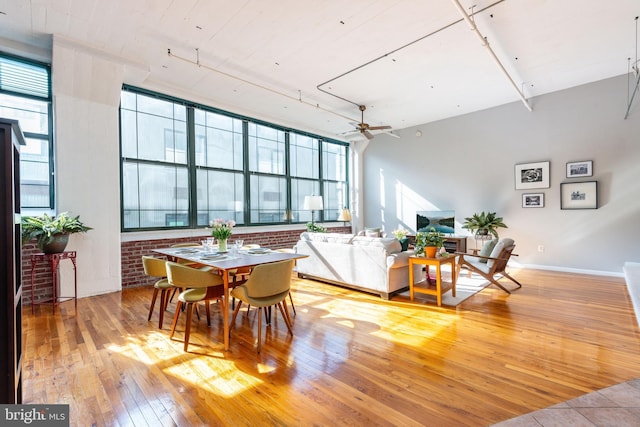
(248, 174)
(48, 137)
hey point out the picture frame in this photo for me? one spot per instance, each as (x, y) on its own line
(580, 169)
(532, 175)
(579, 195)
(533, 200)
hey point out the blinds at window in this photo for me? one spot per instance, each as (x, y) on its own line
(22, 78)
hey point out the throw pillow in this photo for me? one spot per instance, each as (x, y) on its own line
(487, 248)
(372, 232)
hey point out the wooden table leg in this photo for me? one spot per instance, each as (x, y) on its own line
(225, 311)
(439, 285)
(410, 279)
(454, 277)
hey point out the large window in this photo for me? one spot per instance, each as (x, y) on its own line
(25, 95)
(184, 165)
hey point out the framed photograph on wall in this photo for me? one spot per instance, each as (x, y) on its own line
(532, 175)
(533, 200)
(580, 169)
(579, 195)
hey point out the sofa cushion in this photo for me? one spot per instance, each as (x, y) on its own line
(389, 244)
(327, 237)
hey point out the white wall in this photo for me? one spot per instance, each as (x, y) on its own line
(467, 164)
(86, 90)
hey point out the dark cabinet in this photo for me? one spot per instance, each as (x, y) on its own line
(10, 253)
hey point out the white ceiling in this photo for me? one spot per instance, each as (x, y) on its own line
(266, 58)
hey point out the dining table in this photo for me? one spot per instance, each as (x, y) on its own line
(226, 262)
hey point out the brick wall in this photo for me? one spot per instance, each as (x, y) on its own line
(132, 252)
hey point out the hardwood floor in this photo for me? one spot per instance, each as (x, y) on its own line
(354, 360)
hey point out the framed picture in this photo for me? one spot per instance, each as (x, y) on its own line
(580, 169)
(533, 200)
(532, 175)
(579, 195)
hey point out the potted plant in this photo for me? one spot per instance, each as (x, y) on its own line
(484, 224)
(428, 243)
(315, 228)
(51, 232)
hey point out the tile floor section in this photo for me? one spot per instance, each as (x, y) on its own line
(615, 406)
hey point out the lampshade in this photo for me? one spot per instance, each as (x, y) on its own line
(312, 203)
(345, 215)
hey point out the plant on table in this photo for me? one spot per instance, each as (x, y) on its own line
(431, 239)
(483, 224)
(46, 228)
(222, 229)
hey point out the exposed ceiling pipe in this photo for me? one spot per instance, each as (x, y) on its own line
(635, 70)
(485, 43)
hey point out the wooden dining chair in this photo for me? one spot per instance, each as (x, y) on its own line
(268, 285)
(155, 267)
(199, 286)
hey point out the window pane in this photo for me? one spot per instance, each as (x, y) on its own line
(335, 198)
(334, 162)
(268, 199)
(32, 115)
(266, 149)
(218, 141)
(35, 177)
(220, 195)
(299, 189)
(156, 195)
(304, 152)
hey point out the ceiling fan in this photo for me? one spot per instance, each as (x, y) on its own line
(365, 129)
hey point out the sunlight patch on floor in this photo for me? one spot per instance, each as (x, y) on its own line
(222, 378)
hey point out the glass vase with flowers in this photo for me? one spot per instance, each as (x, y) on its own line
(222, 229)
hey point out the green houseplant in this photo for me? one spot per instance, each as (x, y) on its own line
(428, 243)
(315, 228)
(483, 224)
(51, 232)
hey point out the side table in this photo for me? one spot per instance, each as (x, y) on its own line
(424, 286)
(54, 262)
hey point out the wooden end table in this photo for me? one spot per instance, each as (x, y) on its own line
(425, 286)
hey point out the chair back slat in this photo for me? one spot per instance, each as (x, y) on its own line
(269, 279)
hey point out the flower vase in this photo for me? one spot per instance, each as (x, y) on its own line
(222, 245)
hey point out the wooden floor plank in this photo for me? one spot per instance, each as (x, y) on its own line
(354, 359)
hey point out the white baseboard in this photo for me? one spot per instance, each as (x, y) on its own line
(569, 270)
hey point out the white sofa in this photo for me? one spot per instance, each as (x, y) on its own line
(371, 264)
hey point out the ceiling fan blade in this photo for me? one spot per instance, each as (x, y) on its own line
(367, 134)
(351, 132)
(379, 127)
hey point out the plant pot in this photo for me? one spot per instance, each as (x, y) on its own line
(430, 251)
(404, 242)
(57, 245)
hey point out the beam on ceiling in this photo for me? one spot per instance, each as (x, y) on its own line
(485, 43)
